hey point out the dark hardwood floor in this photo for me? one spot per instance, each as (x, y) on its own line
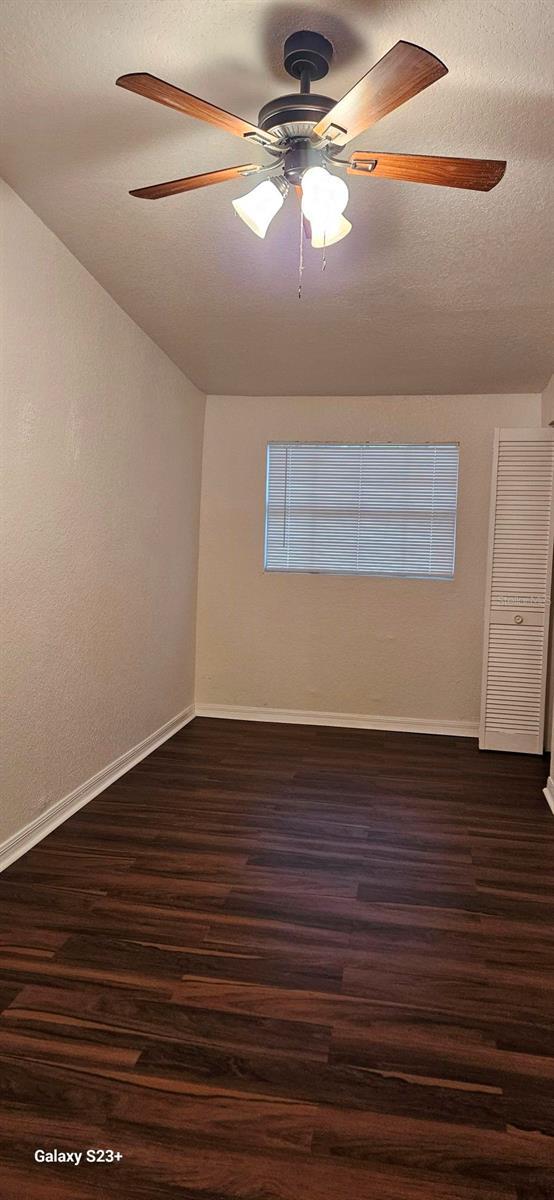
(286, 963)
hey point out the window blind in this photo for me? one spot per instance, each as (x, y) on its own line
(362, 509)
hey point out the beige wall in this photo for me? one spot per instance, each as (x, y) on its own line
(102, 453)
(393, 648)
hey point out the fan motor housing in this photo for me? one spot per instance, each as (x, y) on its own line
(294, 115)
(299, 158)
(306, 56)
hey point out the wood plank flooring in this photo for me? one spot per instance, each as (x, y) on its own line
(286, 963)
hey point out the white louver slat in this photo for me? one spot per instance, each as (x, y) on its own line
(362, 509)
(517, 607)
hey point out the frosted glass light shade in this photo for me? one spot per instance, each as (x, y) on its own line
(324, 196)
(258, 208)
(327, 235)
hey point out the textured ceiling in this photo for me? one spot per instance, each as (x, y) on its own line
(435, 290)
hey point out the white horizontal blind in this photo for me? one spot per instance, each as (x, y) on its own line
(518, 591)
(362, 509)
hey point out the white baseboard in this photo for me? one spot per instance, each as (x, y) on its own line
(292, 716)
(25, 838)
(549, 792)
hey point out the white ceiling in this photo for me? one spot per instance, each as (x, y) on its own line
(435, 291)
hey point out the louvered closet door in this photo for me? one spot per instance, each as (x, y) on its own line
(519, 579)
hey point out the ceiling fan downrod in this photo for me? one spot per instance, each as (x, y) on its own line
(307, 57)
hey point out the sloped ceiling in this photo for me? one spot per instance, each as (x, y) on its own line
(435, 290)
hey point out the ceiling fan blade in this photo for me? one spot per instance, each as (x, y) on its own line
(399, 75)
(174, 186)
(156, 89)
(477, 174)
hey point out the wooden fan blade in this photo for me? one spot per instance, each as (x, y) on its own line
(174, 186)
(166, 93)
(401, 74)
(477, 174)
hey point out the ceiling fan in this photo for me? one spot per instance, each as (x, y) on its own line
(304, 134)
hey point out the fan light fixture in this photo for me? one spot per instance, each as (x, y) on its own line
(327, 236)
(258, 208)
(324, 199)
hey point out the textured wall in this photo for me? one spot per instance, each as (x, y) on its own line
(102, 449)
(396, 648)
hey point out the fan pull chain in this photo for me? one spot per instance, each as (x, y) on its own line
(324, 263)
(301, 255)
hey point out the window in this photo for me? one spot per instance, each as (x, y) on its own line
(361, 509)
